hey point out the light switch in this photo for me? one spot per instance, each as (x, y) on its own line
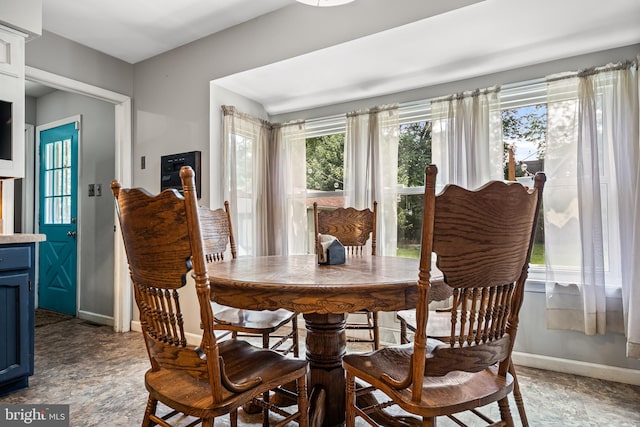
(98, 190)
(92, 190)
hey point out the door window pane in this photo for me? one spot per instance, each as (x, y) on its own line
(57, 182)
(57, 152)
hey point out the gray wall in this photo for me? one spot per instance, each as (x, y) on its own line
(61, 56)
(97, 160)
(30, 108)
(534, 338)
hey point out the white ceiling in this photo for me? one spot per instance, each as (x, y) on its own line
(486, 37)
(134, 30)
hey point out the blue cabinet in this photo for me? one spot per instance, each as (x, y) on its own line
(16, 315)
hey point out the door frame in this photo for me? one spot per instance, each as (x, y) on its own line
(28, 203)
(122, 295)
(39, 129)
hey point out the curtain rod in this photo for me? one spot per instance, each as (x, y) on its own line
(468, 93)
(378, 109)
(592, 71)
(230, 110)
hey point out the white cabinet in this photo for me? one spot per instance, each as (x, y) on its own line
(11, 103)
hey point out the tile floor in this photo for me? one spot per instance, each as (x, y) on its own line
(100, 375)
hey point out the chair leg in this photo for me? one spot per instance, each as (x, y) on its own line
(429, 422)
(208, 422)
(505, 412)
(351, 401)
(518, 396)
(303, 402)
(376, 331)
(294, 325)
(403, 332)
(152, 404)
(265, 410)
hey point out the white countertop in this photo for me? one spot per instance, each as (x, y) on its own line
(6, 239)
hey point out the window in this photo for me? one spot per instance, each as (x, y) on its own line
(325, 163)
(414, 153)
(524, 128)
(57, 182)
(524, 132)
(325, 166)
(325, 172)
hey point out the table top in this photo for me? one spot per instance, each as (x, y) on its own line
(298, 283)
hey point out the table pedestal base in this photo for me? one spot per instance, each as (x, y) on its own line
(326, 345)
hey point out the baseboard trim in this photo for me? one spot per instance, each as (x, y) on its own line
(576, 367)
(100, 319)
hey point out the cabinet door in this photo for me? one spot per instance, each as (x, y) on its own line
(15, 328)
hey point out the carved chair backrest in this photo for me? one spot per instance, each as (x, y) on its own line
(163, 244)
(217, 232)
(350, 226)
(483, 241)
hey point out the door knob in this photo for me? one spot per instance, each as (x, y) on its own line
(71, 234)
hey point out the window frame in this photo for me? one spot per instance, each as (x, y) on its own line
(522, 94)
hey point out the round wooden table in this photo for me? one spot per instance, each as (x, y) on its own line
(324, 294)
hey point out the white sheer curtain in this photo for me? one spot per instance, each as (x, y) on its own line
(591, 205)
(467, 142)
(246, 160)
(371, 169)
(287, 194)
(631, 284)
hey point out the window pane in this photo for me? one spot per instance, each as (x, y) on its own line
(48, 158)
(57, 152)
(48, 210)
(414, 154)
(67, 153)
(410, 209)
(525, 130)
(325, 163)
(325, 174)
(57, 182)
(244, 165)
(48, 184)
(57, 210)
(66, 210)
(66, 178)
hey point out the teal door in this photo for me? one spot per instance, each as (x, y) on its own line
(58, 218)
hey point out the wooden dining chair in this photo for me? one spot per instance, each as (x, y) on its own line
(163, 241)
(440, 322)
(483, 241)
(352, 228)
(217, 233)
